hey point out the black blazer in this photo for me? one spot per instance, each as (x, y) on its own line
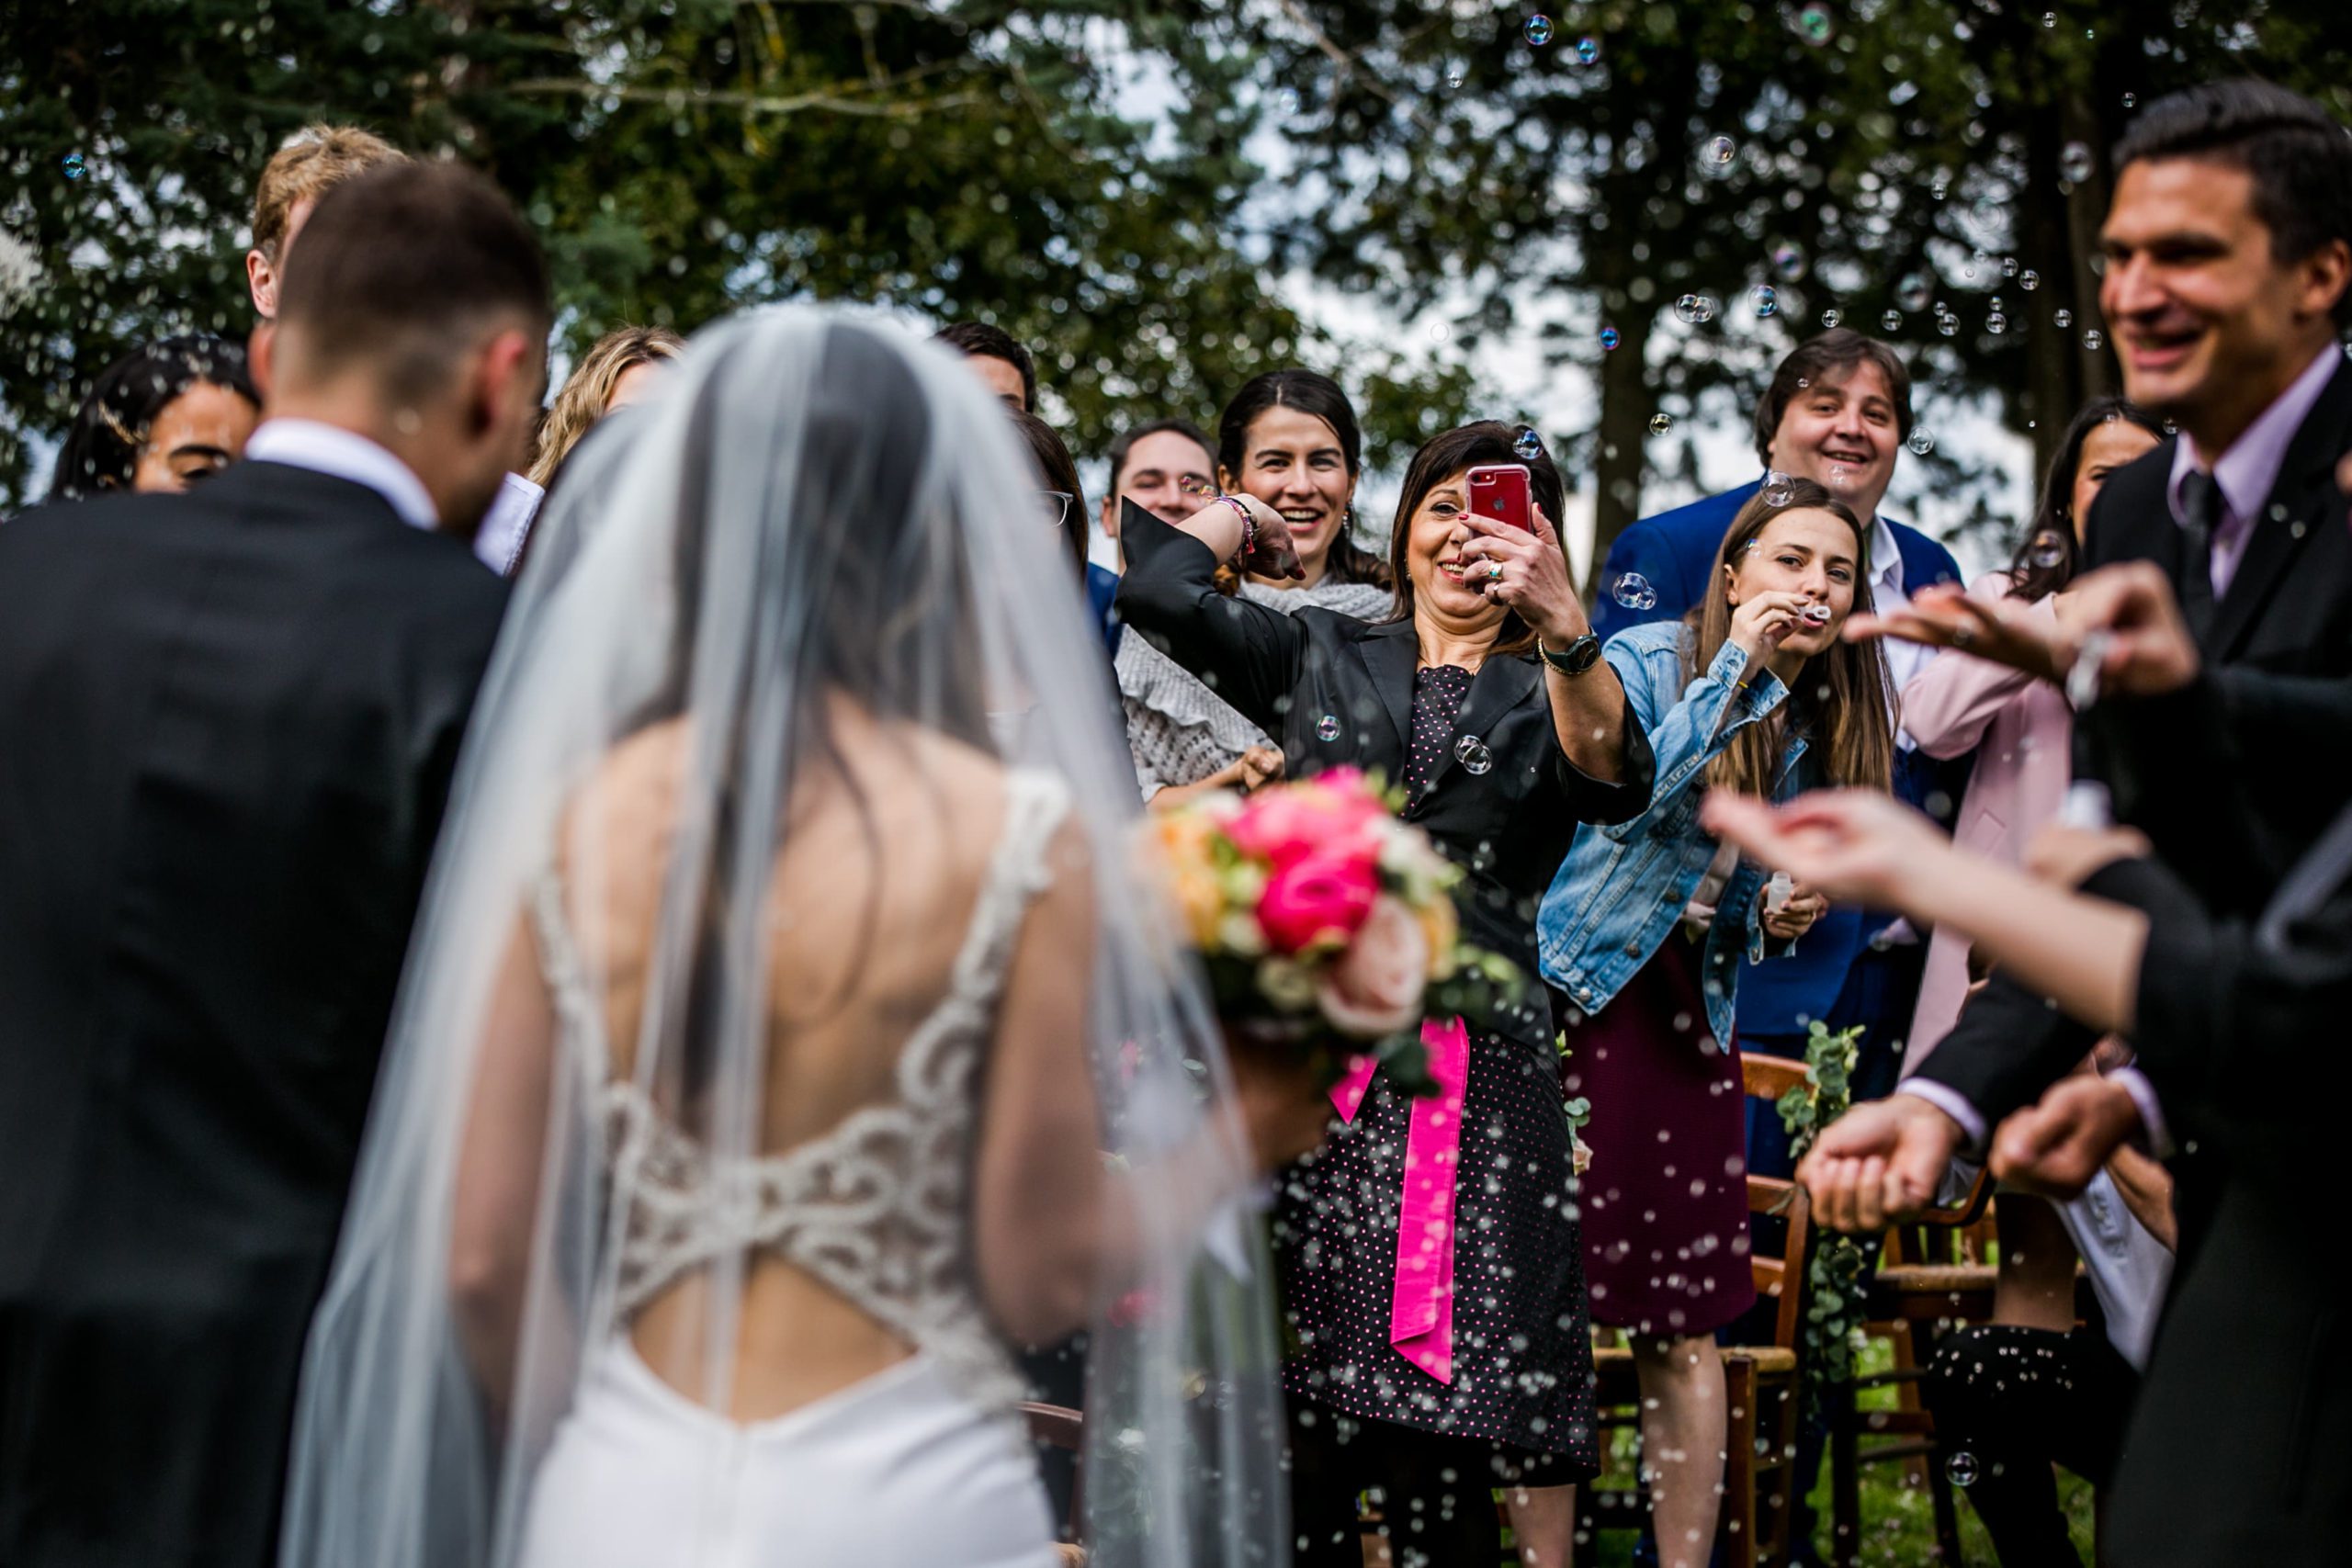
(2224, 779)
(2248, 1403)
(1337, 691)
(231, 718)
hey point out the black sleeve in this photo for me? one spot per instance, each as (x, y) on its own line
(2229, 1023)
(1250, 656)
(2008, 1047)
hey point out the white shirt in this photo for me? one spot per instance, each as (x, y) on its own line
(345, 455)
(499, 541)
(1904, 660)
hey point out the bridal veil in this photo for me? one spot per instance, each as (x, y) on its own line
(813, 506)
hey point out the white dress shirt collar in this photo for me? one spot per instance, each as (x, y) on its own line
(345, 455)
(1886, 564)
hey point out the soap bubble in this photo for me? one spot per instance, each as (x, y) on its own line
(1832, 316)
(2062, 318)
(1695, 309)
(2029, 280)
(1766, 300)
(1454, 75)
(1777, 490)
(1472, 753)
(1914, 292)
(1920, 442)
(1608, 339)
(1660, 424)
(1538, 31)
(1997, 324)
(1789, 260)
(1528, 445)
(1327, 727)
(2074, 164)
(1891, 322)
(1721, 151)
(1814, 25)
(2130, 100)
(1633, 592)
(1587, 51)
(2093, 339)
(1960, 1469)
(73, 165)
(2047, 551)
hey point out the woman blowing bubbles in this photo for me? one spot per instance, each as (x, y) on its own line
(1430, 1262)
(1647, 928)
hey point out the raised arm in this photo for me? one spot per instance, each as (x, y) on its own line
(1248, 655)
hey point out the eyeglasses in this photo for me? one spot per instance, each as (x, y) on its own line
(1053, 507)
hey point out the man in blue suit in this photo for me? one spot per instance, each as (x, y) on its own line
(1837, 412)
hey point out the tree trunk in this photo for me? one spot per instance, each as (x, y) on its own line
(1626, 404)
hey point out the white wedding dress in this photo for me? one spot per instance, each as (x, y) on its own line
(924, 1462)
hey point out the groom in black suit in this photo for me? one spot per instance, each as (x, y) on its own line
(228, 722)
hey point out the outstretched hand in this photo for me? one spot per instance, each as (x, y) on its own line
(2149, 649)
(1849, 845)
(1946, 615)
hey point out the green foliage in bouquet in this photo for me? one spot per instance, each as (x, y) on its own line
(1836, 1269)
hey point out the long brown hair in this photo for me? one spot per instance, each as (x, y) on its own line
(1839, 701)
(583, 399)
(1440, 459)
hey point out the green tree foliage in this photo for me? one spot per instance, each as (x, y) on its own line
(1585, 173)
(1068, 170)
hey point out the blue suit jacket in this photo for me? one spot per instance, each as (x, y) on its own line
(1674, 552)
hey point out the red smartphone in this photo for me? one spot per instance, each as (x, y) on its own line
(1499, 490)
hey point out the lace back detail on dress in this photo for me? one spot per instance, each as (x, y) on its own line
(878, 1208)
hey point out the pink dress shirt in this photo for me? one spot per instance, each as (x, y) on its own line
(2023, 733)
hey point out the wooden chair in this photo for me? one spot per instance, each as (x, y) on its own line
(1764, 1384)
(1932, 1271)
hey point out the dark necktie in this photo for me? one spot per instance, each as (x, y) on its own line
(2203, 511)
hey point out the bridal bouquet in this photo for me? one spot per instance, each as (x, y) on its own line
(1325, 924)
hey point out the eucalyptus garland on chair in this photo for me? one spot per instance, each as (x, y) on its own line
(1835, 1270)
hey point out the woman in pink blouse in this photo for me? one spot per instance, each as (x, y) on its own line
(2021, 728)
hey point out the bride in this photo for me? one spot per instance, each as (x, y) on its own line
(784, 1035)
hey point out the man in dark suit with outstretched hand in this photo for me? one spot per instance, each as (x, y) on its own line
(232, 719)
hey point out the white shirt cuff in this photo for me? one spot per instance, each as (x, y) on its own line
(2152, 1111)
(1954, 1104)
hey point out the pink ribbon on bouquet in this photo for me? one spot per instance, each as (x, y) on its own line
(1421, 1312)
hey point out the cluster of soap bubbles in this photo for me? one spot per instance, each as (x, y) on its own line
(1472, 753)
(1633, 592)
(1694, 310)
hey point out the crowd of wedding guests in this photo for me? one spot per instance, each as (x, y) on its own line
(2064, 844)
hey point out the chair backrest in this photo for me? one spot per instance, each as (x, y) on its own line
(1781, 1277)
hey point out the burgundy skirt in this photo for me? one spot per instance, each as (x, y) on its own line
(1665, 1199)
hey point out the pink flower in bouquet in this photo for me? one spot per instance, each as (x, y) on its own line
(1317, 898)
(1375, 986)
(1333, 813)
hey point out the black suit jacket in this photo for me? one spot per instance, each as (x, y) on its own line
(230, 719)
(1339, 691)
(2224, 778)
(2248, 1403)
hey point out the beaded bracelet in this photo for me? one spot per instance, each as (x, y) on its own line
(1249, 528)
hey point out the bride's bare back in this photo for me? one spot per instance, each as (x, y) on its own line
(872, 891)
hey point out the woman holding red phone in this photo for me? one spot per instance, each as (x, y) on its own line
(1430, 1262)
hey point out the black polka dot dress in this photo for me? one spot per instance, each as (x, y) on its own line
(1522, 1355)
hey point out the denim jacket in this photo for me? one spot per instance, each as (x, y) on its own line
(1622, 891)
